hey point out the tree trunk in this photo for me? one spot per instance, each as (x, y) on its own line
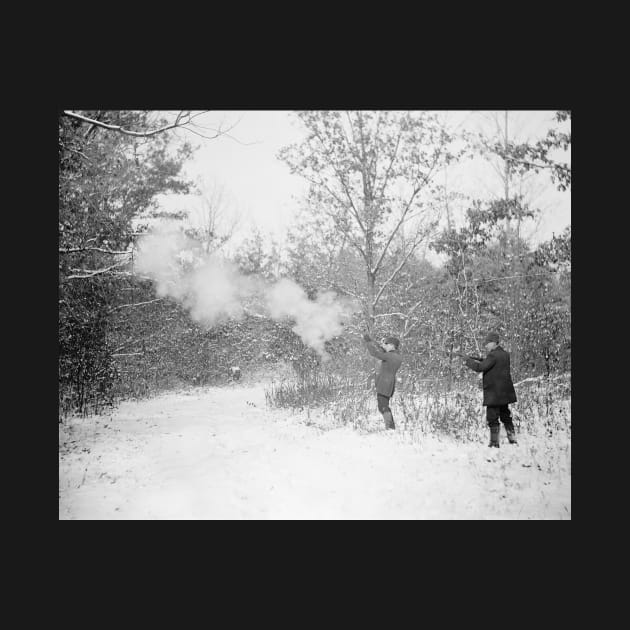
(371, 293)
(513, 311)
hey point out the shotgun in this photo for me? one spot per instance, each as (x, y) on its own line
(468, 356)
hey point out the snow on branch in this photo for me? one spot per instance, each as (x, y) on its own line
(183, 121)
(115, 308)
(71, 250)
(89, 273)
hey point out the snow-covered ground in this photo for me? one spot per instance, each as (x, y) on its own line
(219, 453)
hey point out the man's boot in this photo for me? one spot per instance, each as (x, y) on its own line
(494, 437)
(511, 434)
(389, 420)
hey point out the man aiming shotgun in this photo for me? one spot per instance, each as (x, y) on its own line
(498, 389)
(386, 378)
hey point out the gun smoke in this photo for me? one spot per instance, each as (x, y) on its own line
(213, 290)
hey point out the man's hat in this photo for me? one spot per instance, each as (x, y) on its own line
(395, 342)
(491, 336)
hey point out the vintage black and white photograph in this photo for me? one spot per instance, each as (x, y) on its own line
(270, 314)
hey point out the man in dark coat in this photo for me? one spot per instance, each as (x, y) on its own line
(386, 378)
(498, 389)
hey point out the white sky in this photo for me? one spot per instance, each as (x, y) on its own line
(261, 189)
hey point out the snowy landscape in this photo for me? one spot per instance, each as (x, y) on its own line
(283, 315)
(221, 453)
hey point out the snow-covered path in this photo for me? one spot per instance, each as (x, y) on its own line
(218, 453)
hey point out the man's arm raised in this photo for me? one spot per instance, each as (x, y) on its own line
(373, 348)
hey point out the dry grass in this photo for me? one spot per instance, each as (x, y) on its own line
(542, 414)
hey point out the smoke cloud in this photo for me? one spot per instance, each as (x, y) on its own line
(213, 290)
(316, 321)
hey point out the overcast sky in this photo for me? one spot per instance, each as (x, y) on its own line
(258, 186)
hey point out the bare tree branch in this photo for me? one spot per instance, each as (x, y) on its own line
(71, 250)
(182, 121)
(532, 164)
(115, 308)
(89, 273)
(389, 315)
(397, 270)
(391, 163)
(416, 190)
(520, 275)
(341, 180)
(221, 131)
(337, 287)
(393, 233)
(78, 153)
(333, 216)
(406, 317)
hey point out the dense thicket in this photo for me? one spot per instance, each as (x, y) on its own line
(106, 179)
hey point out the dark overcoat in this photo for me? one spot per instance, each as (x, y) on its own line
(390, 362)
(498, 388)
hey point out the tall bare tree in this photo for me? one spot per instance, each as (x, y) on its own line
(371, 175)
